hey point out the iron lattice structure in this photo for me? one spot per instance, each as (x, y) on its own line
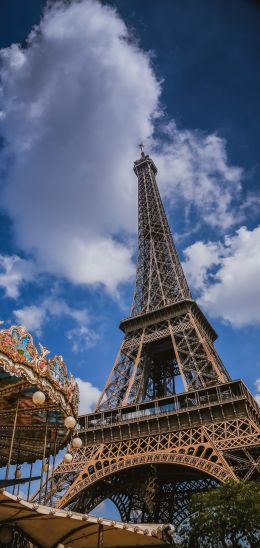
(146, 447)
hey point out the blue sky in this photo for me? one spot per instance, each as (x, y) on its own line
(77, 96)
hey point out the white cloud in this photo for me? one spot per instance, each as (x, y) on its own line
(257, 383)
(75, 103)
(88, 396)
(82, 338)
(74, 114)
(194, 167)
(199, 258)
(34, 317)
(13, 272)
(257, 396)
(232, 289)
(59, 308)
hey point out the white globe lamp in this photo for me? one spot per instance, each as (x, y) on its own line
(67, 458)
(38, 397)
(70, 422)
(18, 473)
(77, 443)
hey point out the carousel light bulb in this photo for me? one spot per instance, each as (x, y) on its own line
(67, 458)
(18, 473)
(70, 422)
(45, 466)
(77, 443)
(38, 397)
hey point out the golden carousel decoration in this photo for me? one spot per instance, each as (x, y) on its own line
(38, 409)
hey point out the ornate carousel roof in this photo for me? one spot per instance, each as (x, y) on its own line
(25, 370)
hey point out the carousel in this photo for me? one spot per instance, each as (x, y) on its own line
(38, 418)
(38, 410)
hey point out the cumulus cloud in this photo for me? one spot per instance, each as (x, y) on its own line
(257, 395)
(228, 276)
(194, 167)
(14, 271)
(200, 257)
(88, 396)
(82, 338)
(34, 317)
(75, 103)
(72, 130)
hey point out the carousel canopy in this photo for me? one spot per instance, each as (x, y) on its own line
(46, 527)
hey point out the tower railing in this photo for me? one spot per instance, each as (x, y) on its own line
(205, 397)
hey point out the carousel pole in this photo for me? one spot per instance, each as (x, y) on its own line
(100, 536)
(17, 473)
(12, 439)
(53, 464)
(47, 480)
(19, 485)
(29, 484)
(44, 452)
(18, 470)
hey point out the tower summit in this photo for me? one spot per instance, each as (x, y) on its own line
(160, 280)
(146, 447)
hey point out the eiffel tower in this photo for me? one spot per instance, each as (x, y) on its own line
(146, 447)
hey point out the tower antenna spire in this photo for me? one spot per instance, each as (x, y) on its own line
(141, 146)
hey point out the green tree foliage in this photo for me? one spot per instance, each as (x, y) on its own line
(228, 516)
